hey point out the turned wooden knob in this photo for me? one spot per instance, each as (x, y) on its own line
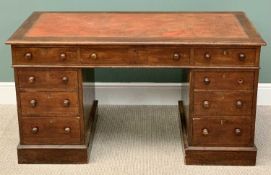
(242, 56)
(67, 130)
(93, 56)
(240, 81)
(28, 56)
(237, 131)
(206, 104)
(176, 56)
(63, 56)
(35, 130)
(205, 131)
(31, 79)
(33, 103)
(65, 79)
(206, 80)
(66, 103)
(239, 103)
(207, 55)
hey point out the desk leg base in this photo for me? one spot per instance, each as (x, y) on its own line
(52, 154)
(197, 155)
(59, 154)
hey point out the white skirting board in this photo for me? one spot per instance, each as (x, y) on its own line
(136, 93)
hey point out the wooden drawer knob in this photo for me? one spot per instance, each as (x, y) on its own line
(237, 131)
(65, 79)
(205, 132)
(33, 103)
(206, 104)
(66, 103)
(93, 56)
(63, 56)
(242, 57)
(239, 104)
(35, 130)
(67, 130)
(240, 81)
(31, 79)
(206, 80)
(28, 56)
(176, 56)
(207, 55)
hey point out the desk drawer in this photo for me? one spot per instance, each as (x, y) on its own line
(44, 55)
(223, 80)
(50, 130)
(49, 103)
(48, 79)
(220, 56)
(147, 56)
(219, 103)
(164, 56)
(225, 131)
(107, 56)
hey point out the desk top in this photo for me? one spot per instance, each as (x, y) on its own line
(86, 28)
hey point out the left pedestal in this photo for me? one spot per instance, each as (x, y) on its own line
(56, 118)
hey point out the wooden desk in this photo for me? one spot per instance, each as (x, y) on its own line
(56, 118)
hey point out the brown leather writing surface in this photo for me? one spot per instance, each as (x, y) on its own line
(176, 25)
(137, 27)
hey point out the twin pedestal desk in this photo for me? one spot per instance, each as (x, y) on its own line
(56, 118)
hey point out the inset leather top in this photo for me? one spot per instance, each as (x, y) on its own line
(225, 28)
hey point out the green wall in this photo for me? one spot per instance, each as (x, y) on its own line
(14, 12)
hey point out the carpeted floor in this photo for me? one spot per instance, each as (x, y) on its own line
(132, 140)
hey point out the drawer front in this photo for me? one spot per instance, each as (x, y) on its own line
(165, 56)
(217, 103)
(231, 57)
(49, 103)
(48, 79)
(50, 130)
(225, 131)
(107, 56)
(152, 56)
(48, 56)
(223, 80)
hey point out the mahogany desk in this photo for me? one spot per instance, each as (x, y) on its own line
(221, 51)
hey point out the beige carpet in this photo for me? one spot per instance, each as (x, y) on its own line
(133, 140)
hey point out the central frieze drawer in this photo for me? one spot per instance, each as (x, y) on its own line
(49, 103)
(147, 56)
(48, 79)
(45, 56)
(50, 130)
(223, 131)
(217, 103)
(220, 56)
